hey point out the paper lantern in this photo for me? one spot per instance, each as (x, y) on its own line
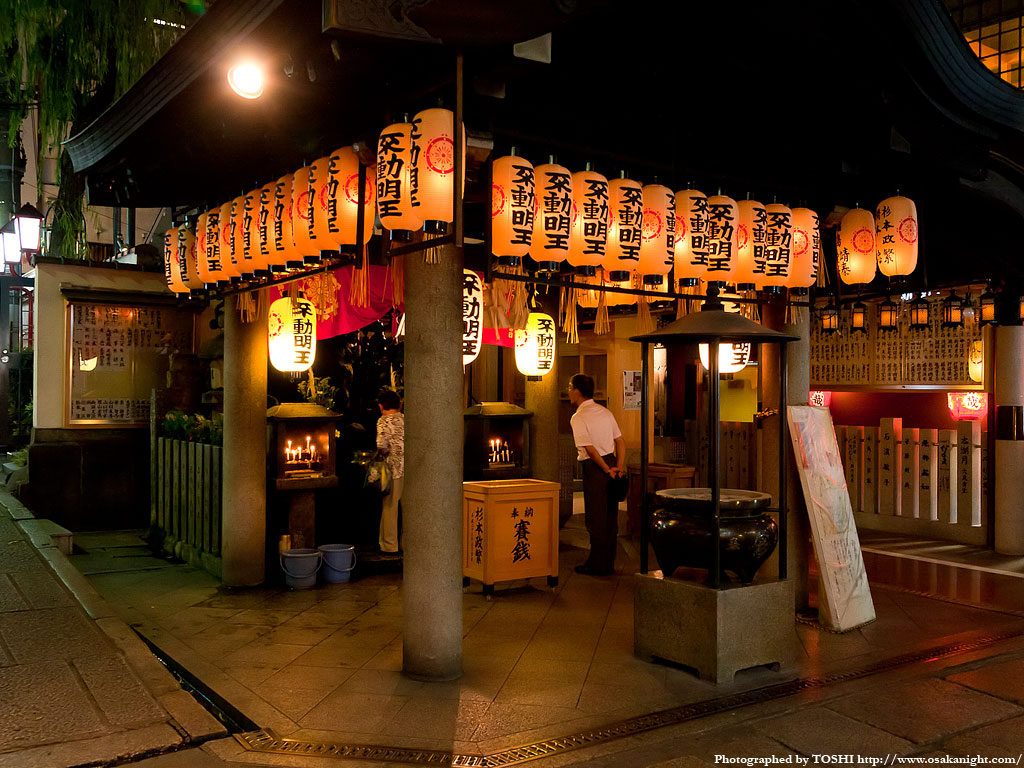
(987, 302)
(291, 334)
(513, 207)
(188, 259)
(552, 224)
(433, 162)
(732, 357)
(657, 234)
(173, 273)
(691, 257)
(806, 249)
(394, 181)
(282, 239)
(967, 406)
(201, 264)
(208, 260)
(855, 247)
(896, 236)
(919, 313)
(267, 255)
(723, 216)
(830, 318)
(535, 345)
(472, 315)
(952, 311)
(239, 238)
(819, 399)
(323, 240)
(625, 212)
(589, 239)
(226, 222)
(751, 232)
(888, 315)
(340, 199)
(302, 217)
(250, 233)
(976, 361)
(778, 247)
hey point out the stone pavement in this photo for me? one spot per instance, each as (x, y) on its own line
(77, 686)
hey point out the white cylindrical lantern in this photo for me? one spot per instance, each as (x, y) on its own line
(657, 234)
(513, 207)
(535, 345)
(589, 240)
(472, 315)
(433, 162)
(291, 334)
(552, 225)
(723, 216)
(394, 179)
(732, 357)
(896, 236)
(976, 361)
(803, 271)
(855, 247)
(778, 247)
(750, 237)
(625, 212)
(691, 257)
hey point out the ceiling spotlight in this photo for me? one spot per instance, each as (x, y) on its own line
(246, 80)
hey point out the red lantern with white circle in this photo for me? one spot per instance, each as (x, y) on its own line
(625, 214)
(433, 162)
(967, 406)
(513, 207)
(723, 216)
(896, 236)
(778, 247)
(750, 237)
(589, 239)
(691, 258)
(855, 247)
(803, 271)
(819, 398)
(552, 225)
(657, 234)
(394, 181)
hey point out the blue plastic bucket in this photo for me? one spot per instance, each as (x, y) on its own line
(300, 567)
(339, 560)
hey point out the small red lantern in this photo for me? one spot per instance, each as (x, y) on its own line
(967, 406)
(819, 398)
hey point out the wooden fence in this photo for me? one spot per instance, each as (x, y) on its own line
(187, 500)
(924, 482)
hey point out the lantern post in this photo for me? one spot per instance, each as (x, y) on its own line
(645, 507)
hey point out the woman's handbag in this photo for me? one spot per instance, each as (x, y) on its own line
(378, 475)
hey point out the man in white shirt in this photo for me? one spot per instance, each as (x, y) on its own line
(602, 454)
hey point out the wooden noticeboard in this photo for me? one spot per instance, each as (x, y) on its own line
(845, 602)
(116, 356)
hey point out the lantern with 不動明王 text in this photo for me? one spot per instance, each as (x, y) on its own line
(589, 221)
(433, 162)
(535, 345)
(732, 357)
(976, 361)
(750, 235)
(625, 215)
(778, 247)
(803, 272)
(855, 247)
(209, 276)
(723, 218)
(394, 181)
(472, 315)
(896, 236)
(967, 406)
(513, 207)
(552, 224)
(691, 257)
(657, 234)
(291, 334)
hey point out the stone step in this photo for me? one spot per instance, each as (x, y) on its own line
(46, 533)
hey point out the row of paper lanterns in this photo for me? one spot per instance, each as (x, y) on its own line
(886, 240)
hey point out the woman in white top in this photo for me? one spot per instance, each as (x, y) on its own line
(391, 444)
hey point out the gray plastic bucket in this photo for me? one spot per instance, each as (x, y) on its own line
(300, 567)
(339, 560)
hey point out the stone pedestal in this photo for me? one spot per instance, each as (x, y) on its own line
(718, 632)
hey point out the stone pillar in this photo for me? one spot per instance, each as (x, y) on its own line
(1009, 458)
(542, 399)
(799, 531)
(432, 494)
(245, 439)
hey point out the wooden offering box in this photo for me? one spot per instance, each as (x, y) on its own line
(510, 531)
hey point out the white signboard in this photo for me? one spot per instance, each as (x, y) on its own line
(847, 602)
(631, 390)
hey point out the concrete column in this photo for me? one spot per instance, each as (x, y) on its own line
(245, 439)
(542, 399)
(1009, 458)
(799, 531)
(432, 494)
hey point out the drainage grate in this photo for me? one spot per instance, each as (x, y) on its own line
(267, 742)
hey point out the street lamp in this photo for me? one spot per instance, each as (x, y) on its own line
(10, 243)
(28, 221)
